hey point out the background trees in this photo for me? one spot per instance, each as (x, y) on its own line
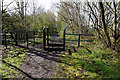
(72, 15)
(103, 18)
(20, 17)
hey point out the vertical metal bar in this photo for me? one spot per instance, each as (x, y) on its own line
(44, 41)
(79, 40)
(69, 51)
(11, 35)
(16, 40)
(5, 41)
(64, 38)
(47, 38)
(27, 38)
(34, 38)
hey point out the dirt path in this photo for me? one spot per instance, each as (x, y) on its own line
(40, 63)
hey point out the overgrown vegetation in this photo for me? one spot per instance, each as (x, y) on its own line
(99, 63)
(12, 58)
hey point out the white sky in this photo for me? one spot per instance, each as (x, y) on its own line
(45, 3)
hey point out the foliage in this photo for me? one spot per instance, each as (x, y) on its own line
(101, 63)
(15, 21)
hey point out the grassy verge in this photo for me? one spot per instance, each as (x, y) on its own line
(90, 61)
(10, 58)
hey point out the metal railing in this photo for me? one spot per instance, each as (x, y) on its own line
(25, 38)
(79, 35)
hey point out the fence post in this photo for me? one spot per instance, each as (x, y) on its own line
(44, 41)
(64, 38)
(34, 37)
(27, 38)
(69, 51)
(16, 40)
(47, 38)
(5, 41)
(79, 40)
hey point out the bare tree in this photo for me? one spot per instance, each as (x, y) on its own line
(70, 13)
(105, 18)
(21, 5)
(104, 24)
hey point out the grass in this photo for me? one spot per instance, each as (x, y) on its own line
(90, 61)
(12, 56)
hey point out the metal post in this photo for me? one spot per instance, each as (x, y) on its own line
(34, 38)
(47, 38)
(79, 40)
(44, 41)
(16, 40)
(69, 51)
(64, 38)
(27, 38)
(5, 41)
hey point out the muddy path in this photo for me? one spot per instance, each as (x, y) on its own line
(40, 63)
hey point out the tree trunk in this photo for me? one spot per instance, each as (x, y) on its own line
(115, 23)
(104, 24)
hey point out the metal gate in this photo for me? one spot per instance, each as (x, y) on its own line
(52, 46)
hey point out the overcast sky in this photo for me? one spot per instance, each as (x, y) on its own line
(45, 3)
